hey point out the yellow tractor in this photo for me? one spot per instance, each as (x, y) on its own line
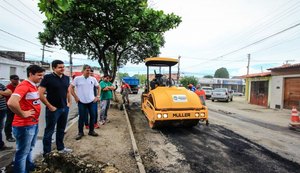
(165, 104)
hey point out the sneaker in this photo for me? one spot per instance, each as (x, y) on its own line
(102, 122)
(87, 126)
(79, 136)
(96, 126)
(93, 133)
(4, 147)
(11, 139)
(65, 150)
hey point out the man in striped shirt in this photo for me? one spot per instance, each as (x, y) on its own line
(3, 92)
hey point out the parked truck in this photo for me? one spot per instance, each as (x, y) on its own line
(133, 83)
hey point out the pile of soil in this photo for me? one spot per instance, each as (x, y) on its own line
(64, 163)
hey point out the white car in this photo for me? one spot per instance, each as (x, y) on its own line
(208, 91)
(221, 94)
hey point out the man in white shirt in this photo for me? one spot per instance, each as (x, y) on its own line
(86, 99)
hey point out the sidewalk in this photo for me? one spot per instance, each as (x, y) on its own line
(112, 146)
(241, 107)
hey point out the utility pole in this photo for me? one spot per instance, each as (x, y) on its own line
(43, 50)
(178, 71)
(71, 65)
(248, 66)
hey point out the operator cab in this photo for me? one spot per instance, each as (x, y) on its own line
(159, 80)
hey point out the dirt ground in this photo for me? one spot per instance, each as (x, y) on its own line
(113, 145)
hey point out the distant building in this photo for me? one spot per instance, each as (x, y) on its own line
(13, 62)
(277, 89)
(258, 87)
(237, 85)
(285, 86)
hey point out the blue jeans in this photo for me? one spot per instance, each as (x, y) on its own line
(84, 109)
(58, 118)
(2, 117)
(8, 123)
(96, 111)
(104, 108)
(86, 119)
(25, 141)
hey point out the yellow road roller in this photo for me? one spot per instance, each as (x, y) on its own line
(165, 104)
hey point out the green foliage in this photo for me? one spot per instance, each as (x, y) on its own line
(141, 77)
(185, 81)
(208, 76)
(221, 73)
(121, 75)
(113, 32)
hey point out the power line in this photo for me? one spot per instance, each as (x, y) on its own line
(37, 44)
(33, 24)
(21, 12)
(256, 42)
(30, 9)
(20, 38)
(262, 24)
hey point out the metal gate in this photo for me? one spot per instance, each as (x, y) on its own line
(259, 93)
(292, 93)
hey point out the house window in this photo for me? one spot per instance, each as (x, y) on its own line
(12, 70)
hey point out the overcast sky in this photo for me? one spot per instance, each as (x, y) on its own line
(213, 34)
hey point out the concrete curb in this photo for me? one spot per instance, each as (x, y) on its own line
(134, 145)
(72, 122)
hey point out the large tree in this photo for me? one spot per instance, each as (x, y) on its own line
(113, 32)
(185, 81)
(221, 73)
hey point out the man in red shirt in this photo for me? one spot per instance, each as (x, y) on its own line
(201, 93)
(14, 81)
(26, 105)
(125, 90)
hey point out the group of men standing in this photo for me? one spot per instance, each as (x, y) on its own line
(23, 108)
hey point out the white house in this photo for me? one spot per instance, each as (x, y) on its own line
(285, 86)
(11, 66)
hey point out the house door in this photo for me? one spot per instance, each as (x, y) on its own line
(259, 93)
(291, 93)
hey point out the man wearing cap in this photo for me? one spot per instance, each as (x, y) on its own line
(191, 87)
(14, 81)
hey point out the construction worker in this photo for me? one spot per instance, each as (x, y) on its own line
(201, 93)
(125, 90)
(191, 87)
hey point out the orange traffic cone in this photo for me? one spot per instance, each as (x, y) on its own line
(294, 116)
